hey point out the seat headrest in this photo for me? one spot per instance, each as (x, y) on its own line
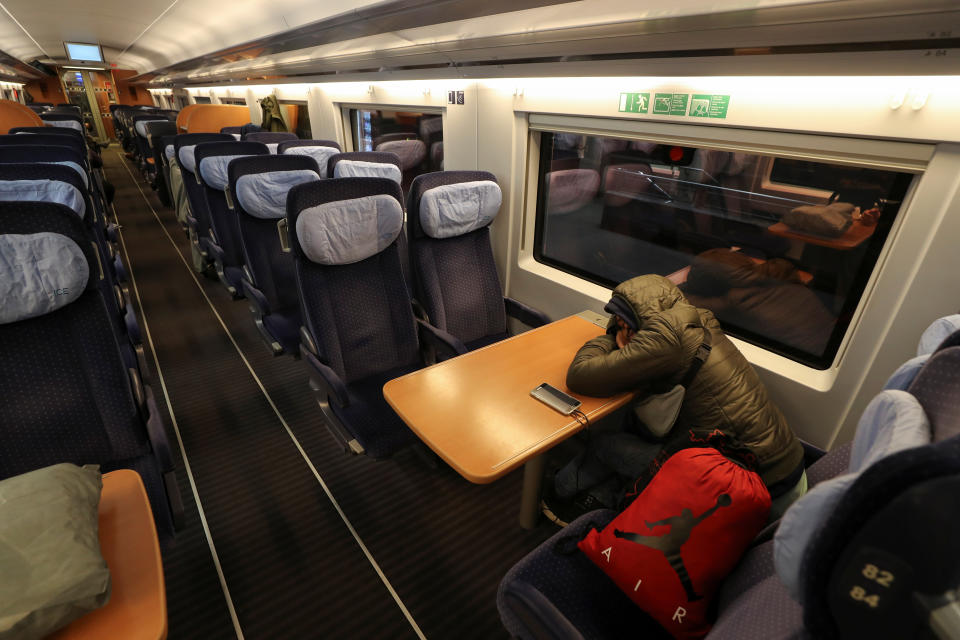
(168, 152)
(213, 170)
(362, 169)
(893, 421)
(186, 158)
(264, 195)
(410, 152)
(938, 331)
(236, 136)
(321, 154)
(43, 191)
(272, 146)
(456, 209)
(66, 124)
(39, 273)
(348, 231)
(141, 125)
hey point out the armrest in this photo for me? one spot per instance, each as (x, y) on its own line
(535, 611)
(811, 453)
(326, 379)
(527, 315)
(256, 297)
(446, 345)
(161, 449)
(133, 327)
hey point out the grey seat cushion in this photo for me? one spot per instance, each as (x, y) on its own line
(50, 561)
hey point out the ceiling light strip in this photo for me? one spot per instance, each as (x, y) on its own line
(149, 26)
(24, 29)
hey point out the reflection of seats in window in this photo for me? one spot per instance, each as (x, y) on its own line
(570, 189)
(765, 298)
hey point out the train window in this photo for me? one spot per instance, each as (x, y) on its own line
(201, 99)
(301, 118)
(779, 249)
(235, 101)
(414, 136)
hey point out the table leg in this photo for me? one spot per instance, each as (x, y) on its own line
(530, 498)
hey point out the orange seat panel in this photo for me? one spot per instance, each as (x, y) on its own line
(137, 609)
(184, 116)
(13, 114)
(210, 118)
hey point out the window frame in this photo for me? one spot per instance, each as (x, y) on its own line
(911, 158)
(346, 121)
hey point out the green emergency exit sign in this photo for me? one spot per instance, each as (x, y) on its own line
(634, 102)
(709, 106)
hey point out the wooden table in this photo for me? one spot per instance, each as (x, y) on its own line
(854, 236)
(475, 411)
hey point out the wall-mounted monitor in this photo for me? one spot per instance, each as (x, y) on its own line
(83, 52)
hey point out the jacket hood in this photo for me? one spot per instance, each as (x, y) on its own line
(648, 295)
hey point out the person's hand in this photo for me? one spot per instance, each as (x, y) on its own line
(624, 333)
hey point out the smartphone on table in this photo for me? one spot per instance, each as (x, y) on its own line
(555, 399)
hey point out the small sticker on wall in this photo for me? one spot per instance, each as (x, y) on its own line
(454, 97)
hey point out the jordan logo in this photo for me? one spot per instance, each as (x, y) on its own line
(670, 543)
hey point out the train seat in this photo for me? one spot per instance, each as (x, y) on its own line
(156, 131)
(555, 593)
(359, 328)
(194, 214)
(69, 397)
(456, 281)
(319, 150)
(570, 190)
(270, 138)
(223, 244)
(142, 149)
(259, 186)
(65, 120)
(365, 164)
(13, 114)
(236, 132)
(410, 152)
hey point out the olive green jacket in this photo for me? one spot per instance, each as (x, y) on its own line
(725, 394)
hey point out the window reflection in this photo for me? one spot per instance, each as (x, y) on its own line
(780, 250)
(417, 138)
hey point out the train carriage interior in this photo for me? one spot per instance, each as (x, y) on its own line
(291, 295)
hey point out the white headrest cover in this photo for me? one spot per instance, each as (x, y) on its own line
(65, 124)
(73, 165)
(264, 195)
(168, 151)
(141, 126)
(455, 209)
(43, 191)
(186, 159)
(39, 273)
(360, 169)
(213, 170)
(236, 136)
(410, 152)
(320, 154)
(272, 146)
(349, 231)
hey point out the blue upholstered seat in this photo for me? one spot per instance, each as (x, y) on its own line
(319, 150)
(270, 138)
(448, 223)
(358, 324)
(259, 186)
(223, 244)
(366, 164)
(67, 394)
(198, 223)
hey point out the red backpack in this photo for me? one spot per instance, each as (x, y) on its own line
(670, 549)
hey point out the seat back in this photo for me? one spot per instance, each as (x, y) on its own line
(456, 281)
(184, 147)
(156, 131)
(13, 114)
(213, 160)
(58, 154)
(47, 139)
(259, 186)
(343, 233)
(65, 120)
(270, 138)
(410, 152)
(68, 395)
(365, 164)
(319, 150)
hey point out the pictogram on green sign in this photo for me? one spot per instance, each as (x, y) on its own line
(709, 106)
(634, 102)
(670, 104)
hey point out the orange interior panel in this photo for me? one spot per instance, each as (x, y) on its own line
(14, 114)
(184, 116)
(210, 118)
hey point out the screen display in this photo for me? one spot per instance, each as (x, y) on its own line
(89, 52)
